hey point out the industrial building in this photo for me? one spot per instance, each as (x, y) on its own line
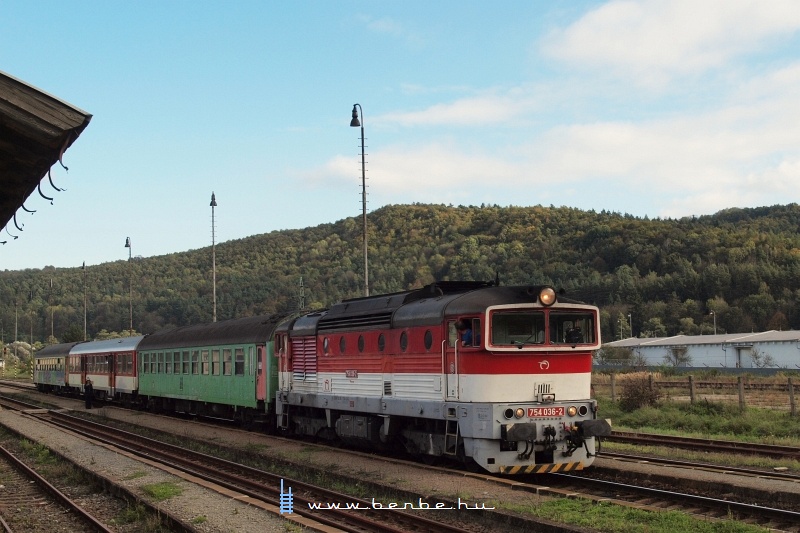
(768, 349)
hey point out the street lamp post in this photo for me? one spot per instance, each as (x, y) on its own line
(130, 284)
(714, 315)
(630, 323)
(355, 124)
(84, 300)
(213, 204)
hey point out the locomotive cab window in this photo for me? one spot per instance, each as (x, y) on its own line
(571, 328)
(466, 332)
(517, 328)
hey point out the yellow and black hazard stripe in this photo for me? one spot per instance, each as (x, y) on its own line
(542, 469)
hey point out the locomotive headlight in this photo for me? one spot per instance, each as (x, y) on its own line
(520, 412)
(572, 410)
(508, 413)
(547, 296)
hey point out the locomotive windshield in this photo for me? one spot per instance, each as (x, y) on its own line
(518, 328)
(571, 328)
(528, 328)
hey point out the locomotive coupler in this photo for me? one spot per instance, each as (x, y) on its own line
(574, 440)
(549, 442)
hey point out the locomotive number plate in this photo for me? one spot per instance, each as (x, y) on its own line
(534, 412)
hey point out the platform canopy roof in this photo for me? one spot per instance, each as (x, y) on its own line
(35, 131)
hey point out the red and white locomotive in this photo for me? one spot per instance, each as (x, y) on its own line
(511, 391)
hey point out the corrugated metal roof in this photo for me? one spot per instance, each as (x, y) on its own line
(727, 338)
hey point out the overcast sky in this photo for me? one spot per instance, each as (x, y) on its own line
(658, 108)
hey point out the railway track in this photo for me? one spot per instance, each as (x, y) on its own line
(321, 505)
(558, 485)
(28, 502)
(654, 498)
(708, 467)
(622, 493)
(708, 445)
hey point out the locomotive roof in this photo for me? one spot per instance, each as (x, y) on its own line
(252, 329)
(56, 350)
(422, 306)
(432, 310)
(419, 307)
(122, 344)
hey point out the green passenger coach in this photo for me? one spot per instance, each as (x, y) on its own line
(226, 369)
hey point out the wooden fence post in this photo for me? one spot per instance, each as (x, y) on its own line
(792, 405)
(613, 387)
(741, 393)
(650, 381)
(691, 388)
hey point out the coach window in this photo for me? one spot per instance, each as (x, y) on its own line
(227, 358)
(403, 341)
(195, 361)
(160, 363)
(186, 361)
(176, 362)
(238, 368)
(360, 343)
(204, 362)
(215, 362)
(168, 362)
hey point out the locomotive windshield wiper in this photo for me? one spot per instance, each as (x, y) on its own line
(520, 344)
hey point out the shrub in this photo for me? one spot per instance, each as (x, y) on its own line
(638, 393)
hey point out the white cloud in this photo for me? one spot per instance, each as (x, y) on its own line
(487, 108)
(652, 41)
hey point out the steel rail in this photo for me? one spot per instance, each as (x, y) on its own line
(726, 506)
(62, 498)
(722, 446)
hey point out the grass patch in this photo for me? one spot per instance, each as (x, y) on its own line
(613, 518)
(136, 475)
(162, 491)
(38, 453)
(707, 420)
(132, 514)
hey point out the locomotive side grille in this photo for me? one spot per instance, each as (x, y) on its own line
(383, 319)
(304, 359)
(387, 388)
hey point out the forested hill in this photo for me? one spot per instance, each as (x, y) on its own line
(744, 264)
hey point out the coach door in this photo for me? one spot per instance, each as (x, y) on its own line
(261, 374)
(450, 361)
(113, 364)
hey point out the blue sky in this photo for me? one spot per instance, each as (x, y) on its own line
(658, 108)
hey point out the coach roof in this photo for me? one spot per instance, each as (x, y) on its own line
(122, 344)
(56, 350)
(255, 329)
